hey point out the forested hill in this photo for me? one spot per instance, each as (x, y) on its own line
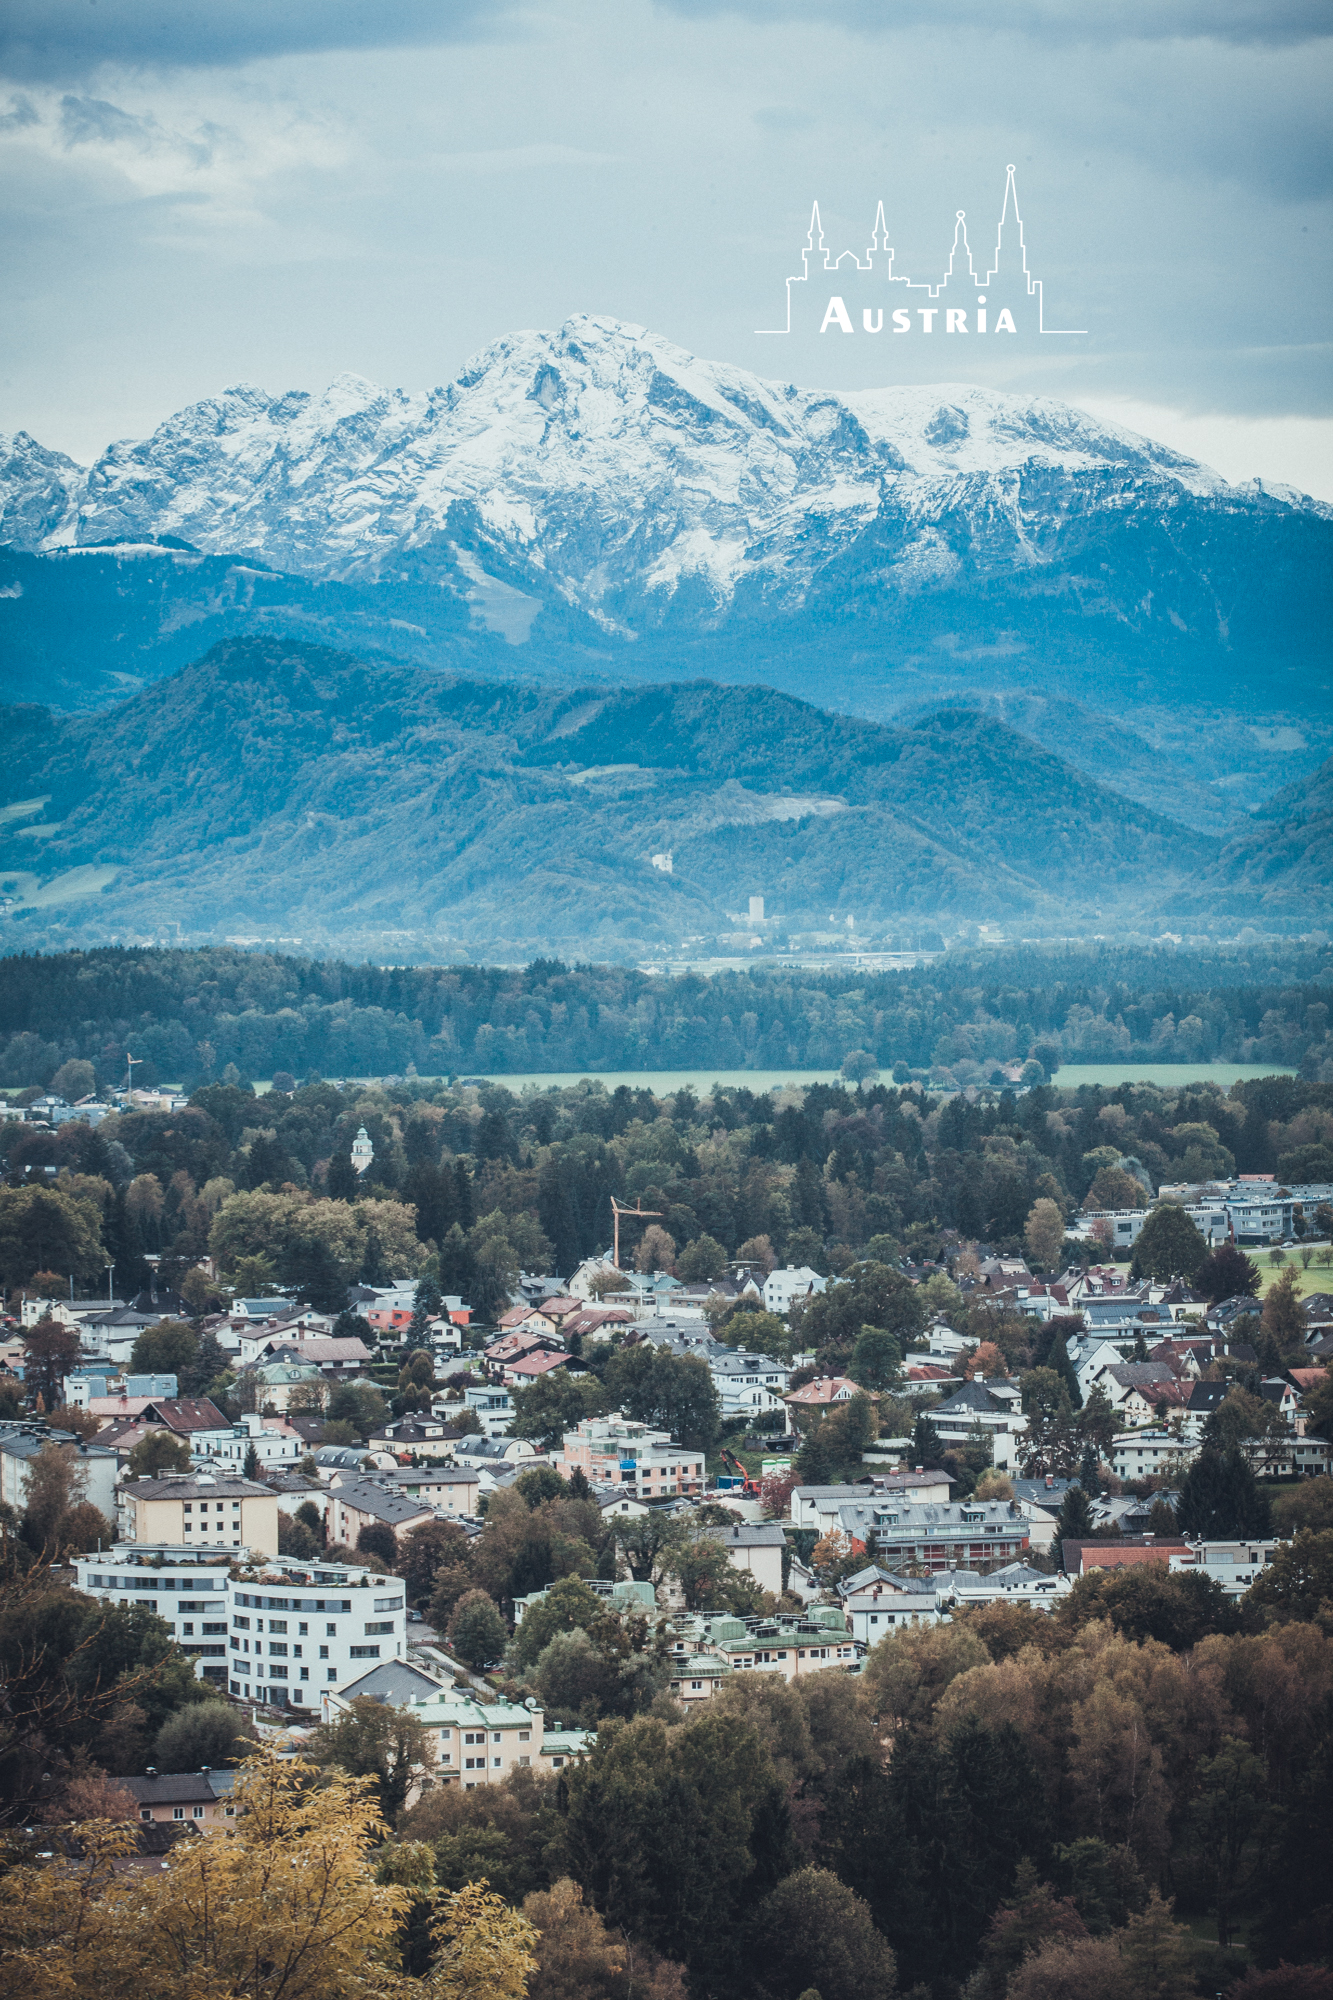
(189, 1014)
(364, 807)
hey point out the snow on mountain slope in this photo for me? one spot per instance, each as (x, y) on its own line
(606, 467)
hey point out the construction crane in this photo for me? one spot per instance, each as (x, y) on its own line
(637, 1213)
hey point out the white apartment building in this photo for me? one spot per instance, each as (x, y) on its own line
(275, 1444)
(794, 1281)
(492, 1405)
(749, 1385)
(1149, 1454)
(277, 1636)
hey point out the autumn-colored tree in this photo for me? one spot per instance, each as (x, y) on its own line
(1044, 1233)
(656, 1251)
(1073, 1969)
(286, 1908)
(577, 1957)
(485, 1950)
(50, 1350)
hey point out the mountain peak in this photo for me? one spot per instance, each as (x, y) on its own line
(601, 466)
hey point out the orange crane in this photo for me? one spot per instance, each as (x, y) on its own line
(638, 1212)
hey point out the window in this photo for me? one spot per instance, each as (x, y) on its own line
(178, 1812)
(198, 1812)
(495, 1736)
(278, 1649)
(525, 1736)
(305, 1673)
(379, 1625)
(277, 1624)
(364, 1652)
(332, 1631)
(146, 1812)
(323, 1652)
(333, 1673)
(187, 1630)
(303, 1627)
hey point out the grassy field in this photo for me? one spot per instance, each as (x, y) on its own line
(1319, 1277)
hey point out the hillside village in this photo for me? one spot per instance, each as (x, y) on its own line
(460, 1537)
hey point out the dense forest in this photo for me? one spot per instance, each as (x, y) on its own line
(1129, 1799)
(472, 1182)
(189, 1015)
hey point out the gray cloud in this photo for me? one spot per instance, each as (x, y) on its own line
(20, 113)
(83, 119)
(59, 41)
(1275, 22)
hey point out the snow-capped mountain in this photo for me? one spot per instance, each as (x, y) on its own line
(604, 468)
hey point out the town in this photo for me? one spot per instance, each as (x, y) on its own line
(461, 1512)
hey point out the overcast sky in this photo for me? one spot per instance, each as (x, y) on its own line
(277, 190)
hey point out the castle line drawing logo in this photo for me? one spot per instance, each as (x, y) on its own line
(873, 297)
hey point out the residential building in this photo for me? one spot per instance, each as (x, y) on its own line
(198, 1510)
(277, 1381)
(491, 1404)
(450, 1489)
(878, 1602)
(824, 1392)
(371, 1503)
(90, 1384)
(1232, 1565)
(189, 1591)
(958, 1535)
(695, 1676)
(821, 1506)
(490, 1454)
(273, 1441)
(1077, 1558)
(791, 1644)
(98, 1465)
(748, 1385)
(758, 1547)
(477, 1742)
(783, 1288)
(617, 1451)
(279, 1634)
(993, 1407)
(1143, 1455)
(199, 1799)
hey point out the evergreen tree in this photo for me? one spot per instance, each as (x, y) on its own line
(1074, 1521)
(927, 1448)
(465, 1210)
(1219, 1499)
(342, 1180)
(372, 1260)
(1059, 1360)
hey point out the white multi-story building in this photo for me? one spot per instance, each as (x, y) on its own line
(748, 1385)
(275, 1444)
(280, 1636)
(794, 1281)
(1149, 1454)
(492, 1405)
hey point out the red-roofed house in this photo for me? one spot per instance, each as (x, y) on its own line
(531, 1367)
(824, 1391)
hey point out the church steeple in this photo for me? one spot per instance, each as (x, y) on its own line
(814, 243)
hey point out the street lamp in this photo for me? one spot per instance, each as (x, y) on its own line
(110, 1299)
